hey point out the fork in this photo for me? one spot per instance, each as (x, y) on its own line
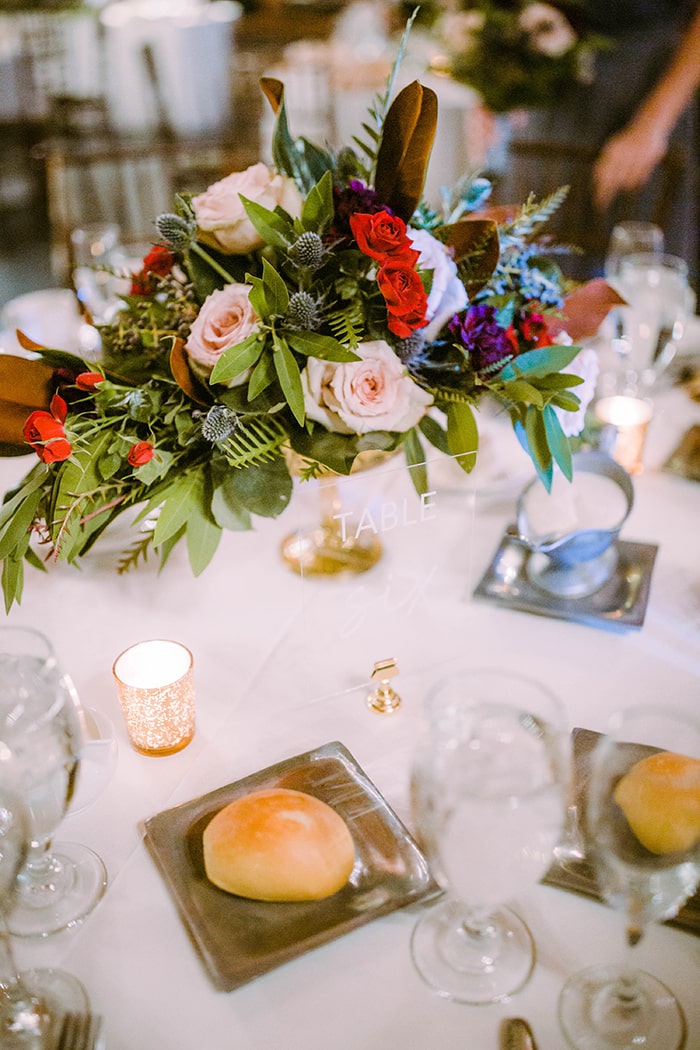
(79, 1031)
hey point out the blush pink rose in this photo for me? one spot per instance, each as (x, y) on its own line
(374, 393)
(221, 216)
(225, 319)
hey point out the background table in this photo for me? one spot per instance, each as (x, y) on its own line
(267, 691)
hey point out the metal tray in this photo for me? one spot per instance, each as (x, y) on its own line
(240, 939)
(621, 602)
(579, 875)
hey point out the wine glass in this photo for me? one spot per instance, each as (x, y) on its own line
(40, 725)
(642, 833)
(659, 301)
(630, 238)
(489, 787)
(33, 1003)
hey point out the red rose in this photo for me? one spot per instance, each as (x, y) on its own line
(45, 432)
(88, 380)
(381, 235)
(159, 260)
(405, 297)
(140, 453)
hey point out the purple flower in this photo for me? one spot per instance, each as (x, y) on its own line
(483, 339)
(356, 197)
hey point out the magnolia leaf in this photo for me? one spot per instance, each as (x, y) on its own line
(539, 362)
(273, 227)
(290, 379)
(182, 374)
(317, 213)
(415, 458)
(282, 142)
(314, 161)
(236, 359)
(25, 381)
(404, 152)
(585, 309)
(325, 347)
(558, 442)
(476, 249)
(462, 434)
(203, 536)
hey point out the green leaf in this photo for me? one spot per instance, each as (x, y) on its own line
(568, 402)
(462, 434)
(264, 489)
(182, 498)
(559, 381)
(325, 347)
(521, 390)
(537, 437)
(318, 211)
(227, 507)
(558, 442)
(12, 581)
(273, 227)
(30, 483)
(203, 536)
(432, 430)
(236, 359)
(262, 375)
(269, 296)
(415, 458)
(15, 532)
(290, 379)
(540, 362)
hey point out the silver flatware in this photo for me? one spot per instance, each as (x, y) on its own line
(516, 1034)
(79, 1031)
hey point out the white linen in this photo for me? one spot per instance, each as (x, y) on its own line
(266, 691)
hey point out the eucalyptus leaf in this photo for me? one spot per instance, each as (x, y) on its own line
(227, 507)
(264, 489)
(235, 360)
(290, 379)
(315, 344)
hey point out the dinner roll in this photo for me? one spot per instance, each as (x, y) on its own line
(278, 845)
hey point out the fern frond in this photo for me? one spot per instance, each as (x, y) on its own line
(129, 558)
(347, 325)
(256, 439)
(450, 395)
(534, 214)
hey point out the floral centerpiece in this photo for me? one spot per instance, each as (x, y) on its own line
(517, 54)
(319, 307)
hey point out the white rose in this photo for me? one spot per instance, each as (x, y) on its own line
(225, 319)
(585, 365)
(220, 213)
(447, 293)
(460, 30)
(375, 393)
(550, 31)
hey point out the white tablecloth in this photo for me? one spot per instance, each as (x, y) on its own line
(267, 690)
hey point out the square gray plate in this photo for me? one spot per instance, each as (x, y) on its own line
(240, 939)
(579, 875)
(620, 603)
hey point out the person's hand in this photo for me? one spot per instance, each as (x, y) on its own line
(627, 160)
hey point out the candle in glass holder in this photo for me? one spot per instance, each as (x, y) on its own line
(155, 685)
(624, 429)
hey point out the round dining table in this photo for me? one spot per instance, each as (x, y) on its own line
(283, 665)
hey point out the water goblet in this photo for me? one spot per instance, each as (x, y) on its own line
(40, 726)
(641, 829)
(659, 301)
(489, 788)
(32, 1003)
(630, 238)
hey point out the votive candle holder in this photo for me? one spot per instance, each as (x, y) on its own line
(625, 421)
(155, 686)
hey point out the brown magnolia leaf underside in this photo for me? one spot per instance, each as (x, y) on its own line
(476, 250)
(182, 374)
(273, 90)
(585, 309)
(404, 152)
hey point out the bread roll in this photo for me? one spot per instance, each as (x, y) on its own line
(660, 797)
(278, 845)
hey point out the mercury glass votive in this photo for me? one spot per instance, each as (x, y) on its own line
(155, 685)
(625, 421)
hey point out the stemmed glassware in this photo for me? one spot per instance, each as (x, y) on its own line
(489, 789)
(40, 725)
(642, 833)
(33, 1003)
